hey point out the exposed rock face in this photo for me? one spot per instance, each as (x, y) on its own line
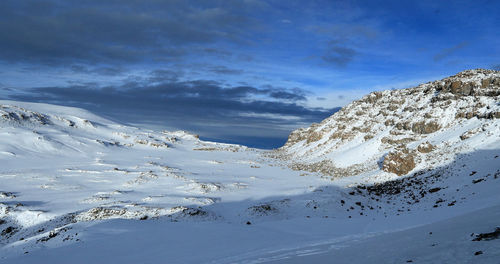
(485, 83)
(425, 127)
(469, 87)
(391, 118)
(425, 147)
(457, 87)
(400, 161)
(314, 136)
(296, 136)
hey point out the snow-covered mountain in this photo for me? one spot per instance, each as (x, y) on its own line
(398, 176)
(406, 130)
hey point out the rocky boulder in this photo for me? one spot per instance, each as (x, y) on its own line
(399, 161)
(425, 127)
(425, 147)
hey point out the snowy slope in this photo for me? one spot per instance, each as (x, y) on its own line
(78, 188)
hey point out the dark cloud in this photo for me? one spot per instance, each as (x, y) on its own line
(161, 76)
(339, 55)
(225, 70)
(202, 106)
(294, 95)
(449, 51)
(93, 31)
(343, 39)
(106, 71)
(217, 52)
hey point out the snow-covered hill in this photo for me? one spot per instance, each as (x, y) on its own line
(416, 169)
(406, 130)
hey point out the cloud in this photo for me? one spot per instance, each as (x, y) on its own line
(161, 76)
(339, 55)
(343, 40)
(225, 70)
(106, 71)
(91, 32)
(449, 51)
(202, 106)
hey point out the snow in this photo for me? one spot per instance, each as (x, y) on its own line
(446, 241)
(75, 187)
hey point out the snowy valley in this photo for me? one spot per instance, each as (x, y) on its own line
(399, 176)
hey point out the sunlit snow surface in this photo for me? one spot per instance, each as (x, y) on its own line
(77, 188)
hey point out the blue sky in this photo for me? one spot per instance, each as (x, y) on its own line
(238, 71)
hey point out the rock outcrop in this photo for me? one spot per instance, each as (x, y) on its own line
(399, 161)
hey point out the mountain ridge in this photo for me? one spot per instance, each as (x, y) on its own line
(385, 124)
